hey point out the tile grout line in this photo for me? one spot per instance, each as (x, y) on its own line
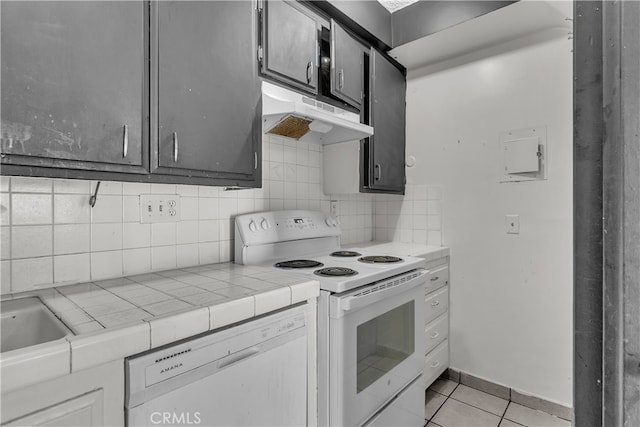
(482, 409)
(445, 401)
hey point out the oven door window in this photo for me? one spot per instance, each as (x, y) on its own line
(384, 342)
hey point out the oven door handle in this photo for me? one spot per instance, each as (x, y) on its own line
(381, 291)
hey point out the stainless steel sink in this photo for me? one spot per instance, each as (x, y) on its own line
(26, 322)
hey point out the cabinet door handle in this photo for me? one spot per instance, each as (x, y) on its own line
(341, 79)
(175, 147)
(255, 160)
(435, 364)
(435, 303)
(433, 279)
(125, 141)
(434, 335)
(379, 168)
(309, 72)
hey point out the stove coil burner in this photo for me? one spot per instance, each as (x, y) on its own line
(345, 254)
(335, 272)
(299, 263)
(379, 259)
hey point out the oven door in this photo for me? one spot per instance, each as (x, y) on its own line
(376, 345)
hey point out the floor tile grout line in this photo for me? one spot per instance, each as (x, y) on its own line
(482, 409)
(447, 397)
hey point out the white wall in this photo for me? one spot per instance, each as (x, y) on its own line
(511, 295)
(50, 235)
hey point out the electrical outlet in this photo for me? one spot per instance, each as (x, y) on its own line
(159, 208)
(334, 208)
(512, 224)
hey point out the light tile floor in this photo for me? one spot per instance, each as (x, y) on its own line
(449, 404)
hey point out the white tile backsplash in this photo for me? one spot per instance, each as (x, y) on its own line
(108, 208)
(30, 209)
(136, 261)
(71, 238)
(136, 235)
(5, 208)
(105, 265)
(187, 255)
(163, 234)
(114, 242)
(31, 273)
(5, 247)
(31, 185)
(106, 237)
(72, 268)
(415, 217)
(32, 242)
(187, 232)
(68, 209)
(163, 257)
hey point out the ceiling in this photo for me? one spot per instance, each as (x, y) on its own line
(393, 5)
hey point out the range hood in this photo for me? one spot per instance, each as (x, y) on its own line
(293, 115)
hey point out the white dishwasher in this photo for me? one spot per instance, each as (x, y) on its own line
(251, 374)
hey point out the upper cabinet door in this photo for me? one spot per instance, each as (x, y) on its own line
(388, 91)
(208, 95)
(290, 44)
(347, 72)
(72, 84)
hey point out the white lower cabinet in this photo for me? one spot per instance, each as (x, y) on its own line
(86, 410)
(91, 397)
(436, 362)
(436, 319)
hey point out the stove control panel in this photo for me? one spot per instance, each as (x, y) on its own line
(279, 226)
(300, 223)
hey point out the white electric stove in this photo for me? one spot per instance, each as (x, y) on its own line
(370, 315)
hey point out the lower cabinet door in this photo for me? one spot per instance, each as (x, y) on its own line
(435, 304)
(436, 332)
(82, 411)
(436, 363)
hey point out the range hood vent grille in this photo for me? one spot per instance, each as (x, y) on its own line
(291, 127)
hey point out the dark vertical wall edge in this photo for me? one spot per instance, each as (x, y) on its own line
(587, 178)
(612, 186)
(630, 93)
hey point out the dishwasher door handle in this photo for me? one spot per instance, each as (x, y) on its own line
(237, 357)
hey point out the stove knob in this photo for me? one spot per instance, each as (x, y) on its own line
(253, 226)
(265, 224)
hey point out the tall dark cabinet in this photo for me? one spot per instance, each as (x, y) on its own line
(386, 148)
(73, 85)
(207, 102)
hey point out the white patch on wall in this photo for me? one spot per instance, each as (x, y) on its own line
(524, 154)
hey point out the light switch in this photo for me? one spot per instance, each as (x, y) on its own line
(512, 224)
(159, 208)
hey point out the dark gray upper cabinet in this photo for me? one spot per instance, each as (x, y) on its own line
(208, 93)
(73, 93)
(289, 44)
(387, 112)
(347, 72)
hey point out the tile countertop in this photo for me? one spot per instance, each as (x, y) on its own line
(116, 318)
(429, 253)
